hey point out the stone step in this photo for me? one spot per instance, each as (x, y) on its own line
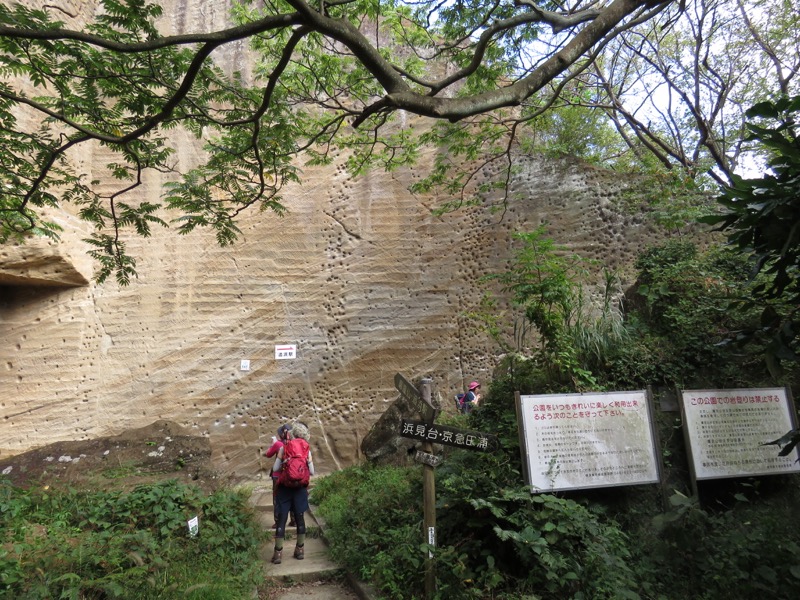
(316, 565)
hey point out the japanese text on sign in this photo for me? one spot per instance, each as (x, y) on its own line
(427, 459)
(449, 436)
(726, 430)
(575, 441)
(582, 410)
(714, 398)
(286, 351)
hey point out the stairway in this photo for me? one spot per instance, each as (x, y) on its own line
(315, 567)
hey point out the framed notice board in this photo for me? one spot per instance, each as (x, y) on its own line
(578, 441)
(726, 430)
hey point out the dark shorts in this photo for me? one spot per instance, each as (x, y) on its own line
(291, 499)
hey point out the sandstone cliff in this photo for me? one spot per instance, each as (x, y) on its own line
(360, 276)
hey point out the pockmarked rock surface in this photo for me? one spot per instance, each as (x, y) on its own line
(361, 278)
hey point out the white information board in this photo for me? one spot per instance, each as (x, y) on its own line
(578, 441)
(726, 429)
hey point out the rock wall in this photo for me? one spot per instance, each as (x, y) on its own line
(360, 276)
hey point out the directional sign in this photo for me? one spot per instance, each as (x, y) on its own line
(449, 436)
(427, 459)
(407, 390)
(411, 394)
(414, 398)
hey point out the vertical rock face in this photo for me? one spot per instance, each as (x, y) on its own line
(359, 276)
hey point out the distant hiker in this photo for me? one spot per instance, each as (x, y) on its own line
(472, 398)
(277, 444)
(294, 466)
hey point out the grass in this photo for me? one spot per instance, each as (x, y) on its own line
(122, 471)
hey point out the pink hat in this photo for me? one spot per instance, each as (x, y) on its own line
(474, 385)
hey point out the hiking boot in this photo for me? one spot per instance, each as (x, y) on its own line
(299, 552)
(276, 556)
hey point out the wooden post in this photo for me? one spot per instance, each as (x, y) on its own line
(688, 444)
(429, 497)
(662, 477)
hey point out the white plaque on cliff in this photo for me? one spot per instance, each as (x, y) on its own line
(285, 351)
(578, 441)
(726, 432)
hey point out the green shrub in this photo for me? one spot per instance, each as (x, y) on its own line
(689, 318)
(87, 545)
(374, 524)
(747, 550)
(494, 538)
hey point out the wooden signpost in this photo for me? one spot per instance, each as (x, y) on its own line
(421, 402)
(428, 433)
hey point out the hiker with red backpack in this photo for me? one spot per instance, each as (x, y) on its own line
(278, 443)
(294, 467)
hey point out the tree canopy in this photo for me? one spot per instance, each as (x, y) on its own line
(329, 73)
(762, 219)
(495, 77)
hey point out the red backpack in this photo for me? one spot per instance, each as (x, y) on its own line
(294, 473)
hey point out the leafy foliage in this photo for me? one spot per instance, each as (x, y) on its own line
(74, 544)
(682, 324)
(561, 334)
(494, 537)
(752, 551)
(116, 81)
(762, 219)
(374, 520)
(497, 540)
(685, 317)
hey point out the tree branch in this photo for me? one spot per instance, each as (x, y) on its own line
(454, 109)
